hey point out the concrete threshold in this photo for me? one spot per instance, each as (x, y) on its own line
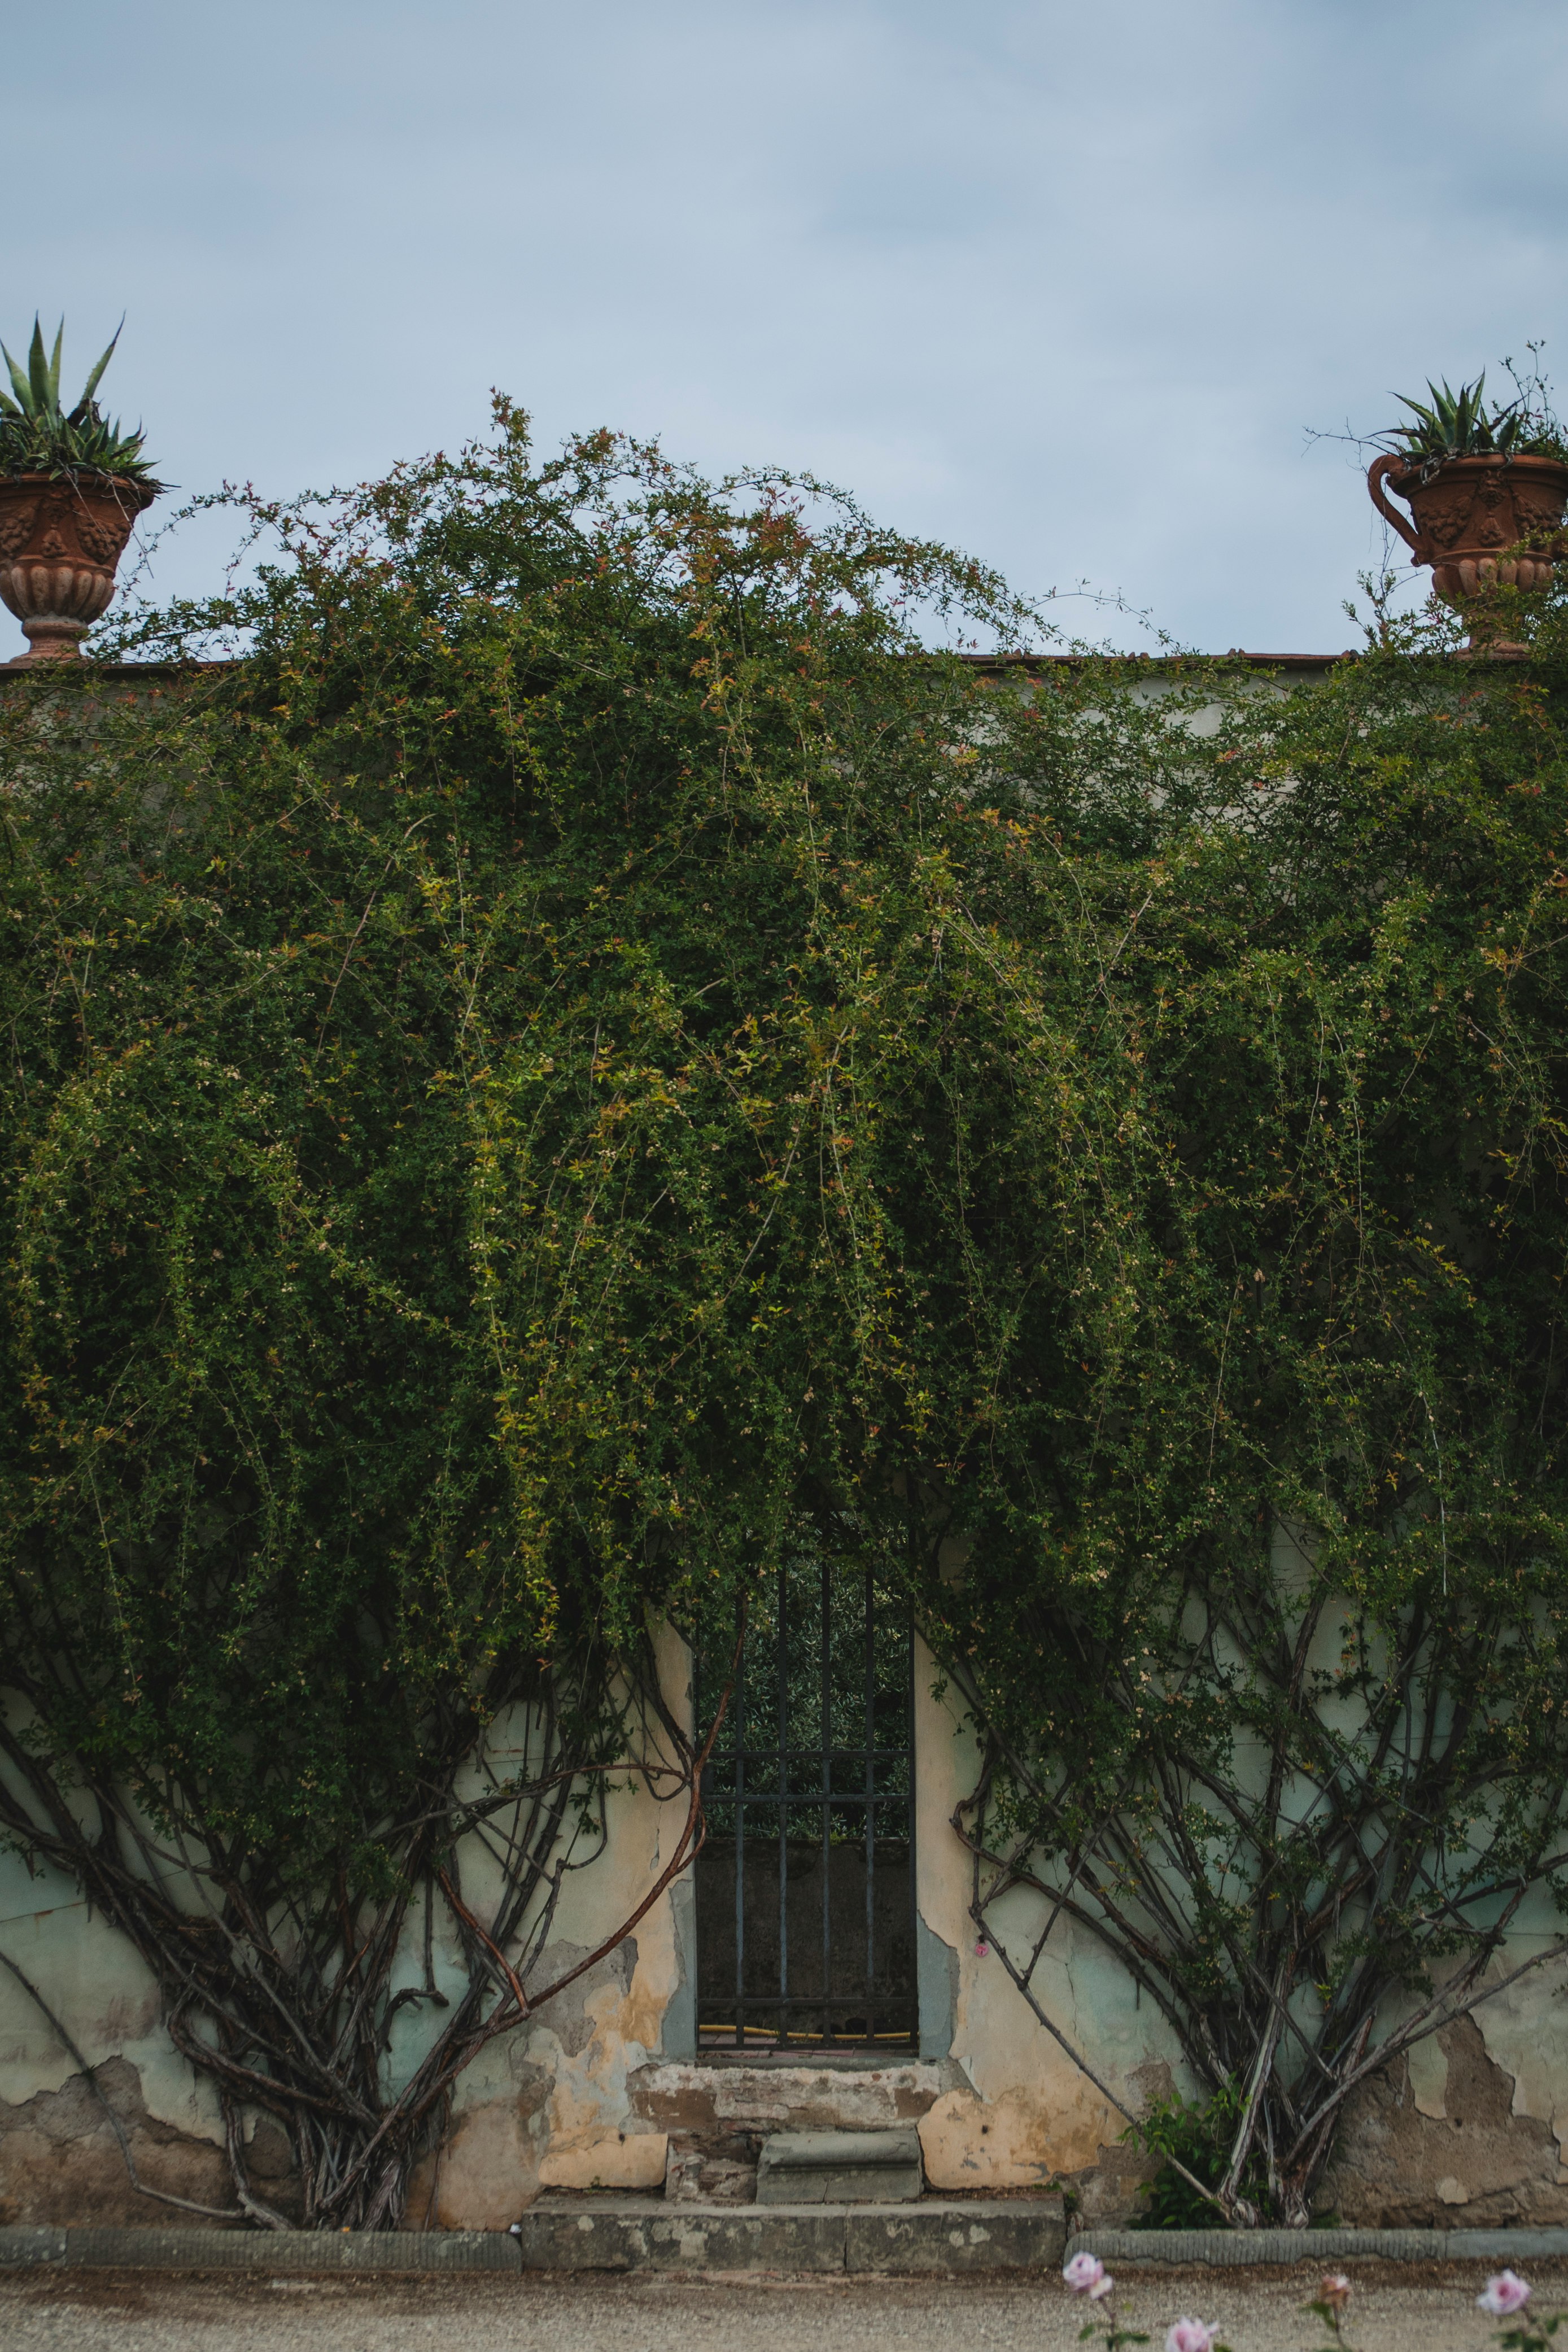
(1161, 2249)
(626, 2233)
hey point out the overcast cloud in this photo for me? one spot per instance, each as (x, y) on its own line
(1063, 284)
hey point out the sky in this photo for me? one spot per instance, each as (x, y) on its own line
(1064, 285)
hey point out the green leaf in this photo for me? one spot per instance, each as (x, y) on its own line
(90, 386)
(39, 372)
(1457, 424)
(24, 390)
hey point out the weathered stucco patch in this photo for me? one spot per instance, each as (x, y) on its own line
(488, 2168)
(1397, 2165)
(968, 2142)
(601, 2157)
(1428, 2068)
(1027, 2114)
(95, 1979)
(937, 1962)
(1525, 2030)
(563, 2119)
(60, 2161)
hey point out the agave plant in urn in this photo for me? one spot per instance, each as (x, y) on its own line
(71, 487)
(1486, 493)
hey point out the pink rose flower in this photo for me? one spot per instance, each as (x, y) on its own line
(1085, 2275)
(1335, 2290)
(1190, 2335)
(1503, 2295)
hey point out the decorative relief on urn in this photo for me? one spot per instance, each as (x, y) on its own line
(60, 544)
(1480, 522)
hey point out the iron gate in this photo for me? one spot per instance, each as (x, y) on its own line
(805, 1888)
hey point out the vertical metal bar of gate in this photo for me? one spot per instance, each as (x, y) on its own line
(783, 1786)
(826, 1725)
(741, 1845)
(909, 1778)
(868, 1740)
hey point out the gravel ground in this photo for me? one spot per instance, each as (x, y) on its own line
(1428, 2307)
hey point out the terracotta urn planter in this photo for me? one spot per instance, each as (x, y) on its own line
(60, 540)
(1479, 522)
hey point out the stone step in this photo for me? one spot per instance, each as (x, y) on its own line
(839, 2167)
(606, 2232)
(718, 2110)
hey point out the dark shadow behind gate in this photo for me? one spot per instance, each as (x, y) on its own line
(805, 1889)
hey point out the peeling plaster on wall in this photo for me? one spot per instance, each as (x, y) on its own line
(509, 2141)
(95, 1982)
(487, 2169)
(602, 2158)
(1427, 2070)
(1525, 2031)
(559, 2082)
(1027, 2114)
(936, 1969)
(1475, 2119)
(599, 2086)
(600, 2029)
(59, 2156)
(1397, 2165)
(1472, 2117)
(968, 2142)
(679, 2038)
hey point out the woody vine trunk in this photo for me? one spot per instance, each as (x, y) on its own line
(284, 1995)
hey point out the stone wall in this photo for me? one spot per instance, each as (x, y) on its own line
(1471, 2125)
(604, 2087)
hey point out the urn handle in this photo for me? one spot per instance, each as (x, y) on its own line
(1391, 464)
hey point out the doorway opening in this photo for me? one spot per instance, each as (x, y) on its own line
(805, 1888)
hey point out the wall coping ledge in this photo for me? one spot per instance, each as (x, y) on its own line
(628, 2232)
(1143, 2248)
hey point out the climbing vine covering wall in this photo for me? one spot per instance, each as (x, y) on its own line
(589, 1046)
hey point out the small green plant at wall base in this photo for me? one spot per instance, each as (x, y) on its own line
(1195, 2136)
(38, 437)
